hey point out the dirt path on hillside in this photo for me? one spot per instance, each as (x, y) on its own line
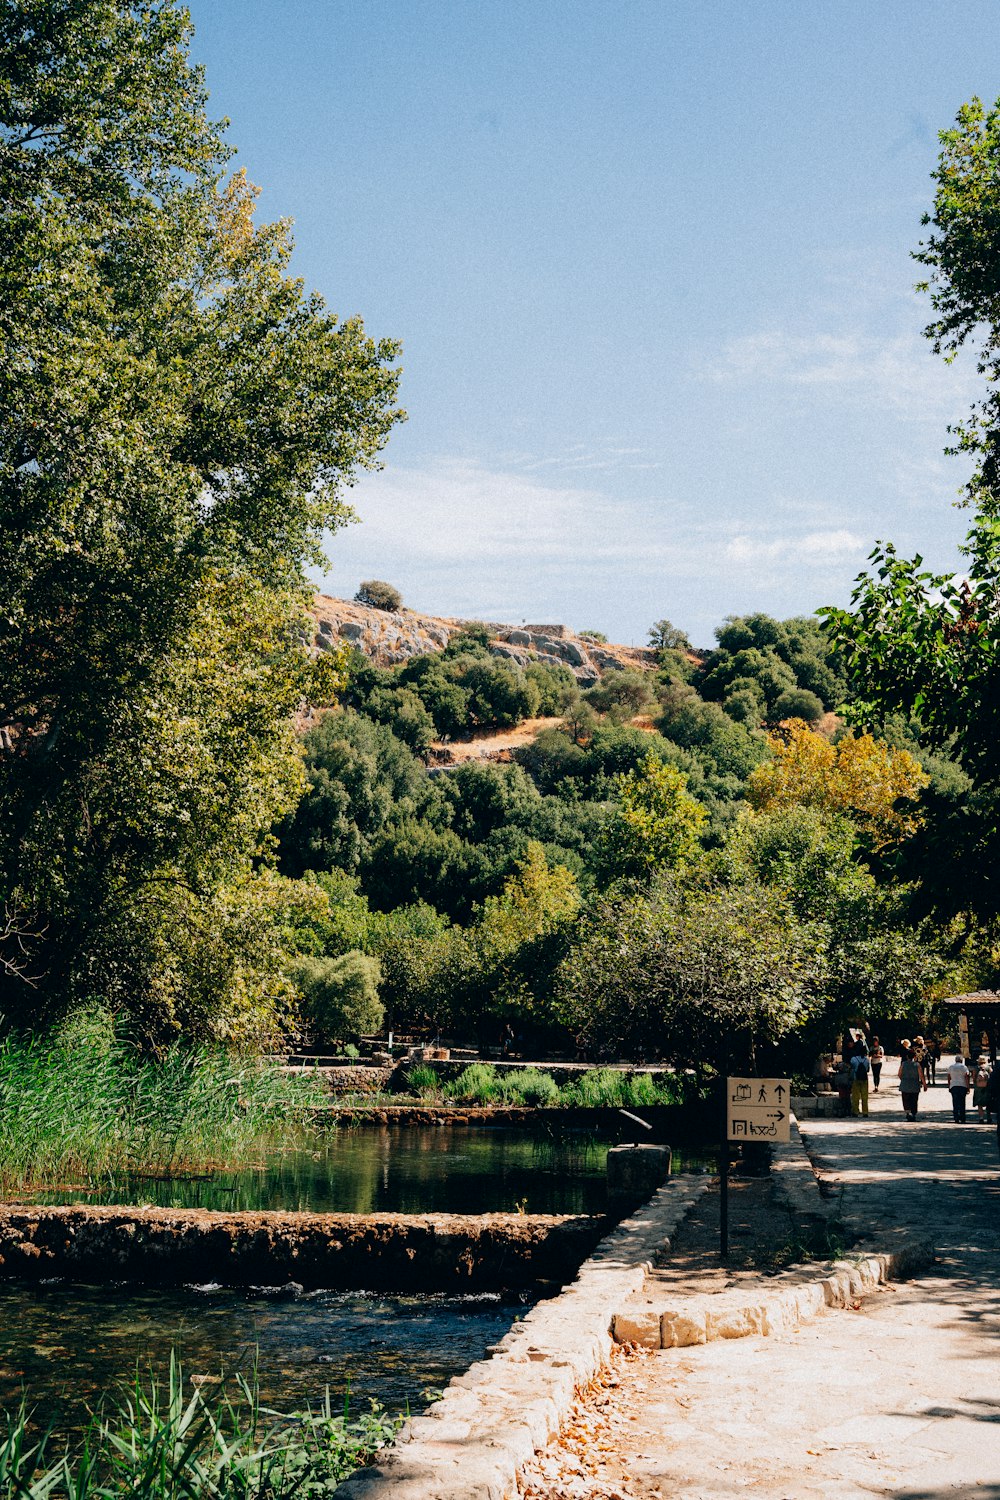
(489, 744)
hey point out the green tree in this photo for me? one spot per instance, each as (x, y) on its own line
(654, 826)
(880, 961)
(703, 975)
(666, 637)
(379, 595)
(340, 995)
(927, 646)
(179, 418)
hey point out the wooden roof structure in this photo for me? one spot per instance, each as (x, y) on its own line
(975, 1000)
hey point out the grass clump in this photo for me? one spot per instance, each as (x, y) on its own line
(605, 1088)
(424, 1081)
(530, 1086)
(83, 1103)
(161, 1443)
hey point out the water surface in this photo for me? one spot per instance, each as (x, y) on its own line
(65, 1345)
(393, 1168)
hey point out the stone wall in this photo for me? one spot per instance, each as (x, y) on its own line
(380, 1252)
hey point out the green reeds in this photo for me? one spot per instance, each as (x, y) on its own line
(83, 1105)
(163, 1441)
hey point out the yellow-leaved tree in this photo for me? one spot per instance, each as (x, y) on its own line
(861, 777)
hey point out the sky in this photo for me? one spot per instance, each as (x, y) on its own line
(649, 263)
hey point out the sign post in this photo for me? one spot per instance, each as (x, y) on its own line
(757, 1109)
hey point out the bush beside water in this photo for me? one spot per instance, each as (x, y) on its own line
(163, 1442)
(482, 1084)
(83, 1104)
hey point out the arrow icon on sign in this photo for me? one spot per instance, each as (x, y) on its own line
(779, 1089)
(776, 1114)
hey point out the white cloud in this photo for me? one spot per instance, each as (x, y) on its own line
(461, 538)
(814, 549)
(896, 373)
(459, 513)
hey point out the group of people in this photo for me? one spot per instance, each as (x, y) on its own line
(862, 1063)
(918, 1066)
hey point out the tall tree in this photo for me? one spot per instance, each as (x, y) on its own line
(178, 420)
(927, 644)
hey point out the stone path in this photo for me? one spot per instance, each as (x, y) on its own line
(898, 1397)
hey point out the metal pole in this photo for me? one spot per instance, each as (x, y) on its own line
(724, 1170)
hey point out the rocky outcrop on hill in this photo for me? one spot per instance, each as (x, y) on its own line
(392, 636)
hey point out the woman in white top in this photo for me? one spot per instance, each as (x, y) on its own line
(958, 1086)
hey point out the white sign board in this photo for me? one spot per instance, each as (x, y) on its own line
(757, 1109)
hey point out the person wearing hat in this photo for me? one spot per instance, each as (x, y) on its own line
(980, 1080)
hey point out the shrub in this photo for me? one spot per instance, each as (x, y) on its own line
(379, 595)
(340, 995)
(530, 1086)
(745, 707)
(797, 703)
(476, 1084)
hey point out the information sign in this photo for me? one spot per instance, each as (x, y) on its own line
(757, 1109)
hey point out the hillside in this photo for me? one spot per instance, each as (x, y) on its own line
(389, 637)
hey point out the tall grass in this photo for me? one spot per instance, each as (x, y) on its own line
(159, 1442)
(82, 1104)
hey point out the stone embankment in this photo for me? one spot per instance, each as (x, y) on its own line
(491, 1420)
(373, 1252)
(389, 637)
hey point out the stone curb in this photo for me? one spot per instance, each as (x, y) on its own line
(492, 1419)
(788, 1300)
(795, 1180)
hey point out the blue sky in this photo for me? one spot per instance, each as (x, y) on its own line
(649, 263)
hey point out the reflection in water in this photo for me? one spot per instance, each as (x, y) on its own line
(64, 1346)
(395, 1168)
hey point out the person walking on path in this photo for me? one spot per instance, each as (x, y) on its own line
(877, 1059)
(859, 1084)
(993, 1100)
(980, 1080)
(911, 1081)
(958, 1085)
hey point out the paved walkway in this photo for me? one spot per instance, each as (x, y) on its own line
(900, 1397)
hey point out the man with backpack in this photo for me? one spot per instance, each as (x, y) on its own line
(860, 1068)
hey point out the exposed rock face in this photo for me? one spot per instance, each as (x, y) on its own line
(379, 1252)
(393, 636)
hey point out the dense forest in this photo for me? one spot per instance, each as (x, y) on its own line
(702, 844)
(750, 843)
